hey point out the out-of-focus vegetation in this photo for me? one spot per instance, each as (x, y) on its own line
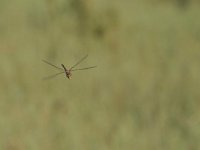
(143, 95)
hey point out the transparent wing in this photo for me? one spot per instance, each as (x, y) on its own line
(84, 68)
(52, 76)
(79, 62)
(52, 64)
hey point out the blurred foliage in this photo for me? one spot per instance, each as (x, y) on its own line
(143, 95)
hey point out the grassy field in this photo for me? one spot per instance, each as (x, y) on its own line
(144, 94)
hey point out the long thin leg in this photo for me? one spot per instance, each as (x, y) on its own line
(79, 62)
(52, 64)
(52, 76)
(83, 68)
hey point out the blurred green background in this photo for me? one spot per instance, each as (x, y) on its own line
(144, 94)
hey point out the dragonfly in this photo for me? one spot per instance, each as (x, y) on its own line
(68, 72)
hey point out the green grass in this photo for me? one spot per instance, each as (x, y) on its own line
(143, 95)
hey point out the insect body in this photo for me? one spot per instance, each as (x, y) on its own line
(67, 71)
